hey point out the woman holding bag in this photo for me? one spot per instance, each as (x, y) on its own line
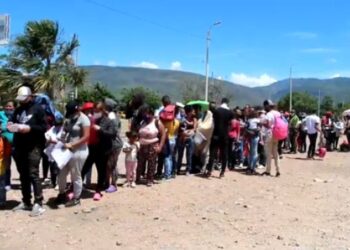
(75, 136)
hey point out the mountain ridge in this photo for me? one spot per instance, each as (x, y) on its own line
(173, 83)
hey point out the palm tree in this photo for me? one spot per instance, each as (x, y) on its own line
(41, 54)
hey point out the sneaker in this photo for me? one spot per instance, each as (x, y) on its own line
(60, 199)
(188, 173)
(56, 188)
(222, 175)
(240, 166)
(97, 196)
(111, 189)
(8, 188)
(22, 207)
(278, 174)
(149, 184)
(261, 167)
(46, 181)
(73, 202)
(126, 184)
(37, 210)
(133, 185)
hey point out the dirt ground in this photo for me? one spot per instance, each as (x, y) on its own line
(308, 207)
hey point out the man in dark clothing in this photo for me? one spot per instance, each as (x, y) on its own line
(222, 118)
(29, 127)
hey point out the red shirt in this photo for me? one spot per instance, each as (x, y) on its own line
(235, 129)
(93, 139)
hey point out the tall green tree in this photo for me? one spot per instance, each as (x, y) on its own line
(152, 98)
(193, 91)
(302, 102)
(95, 93)
(43, 58)
(327, 104)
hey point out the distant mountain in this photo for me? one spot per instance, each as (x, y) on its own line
(337, 88)
(173, 83)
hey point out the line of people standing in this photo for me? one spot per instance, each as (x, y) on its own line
(210, 137)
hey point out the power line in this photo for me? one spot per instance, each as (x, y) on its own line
(141, 19)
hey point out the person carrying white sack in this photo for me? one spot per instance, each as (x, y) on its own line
(53, 136)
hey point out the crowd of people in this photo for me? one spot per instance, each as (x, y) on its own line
(210, 136)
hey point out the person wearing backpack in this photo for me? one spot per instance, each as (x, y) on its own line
(167, 115)
(29, 126)
(275, 131)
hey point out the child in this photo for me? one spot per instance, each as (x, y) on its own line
(52, 137)
(5, 154)
(131, 149)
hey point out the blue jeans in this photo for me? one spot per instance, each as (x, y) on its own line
(189, 145)
(169, 160)
(2, 189)
(253, 152)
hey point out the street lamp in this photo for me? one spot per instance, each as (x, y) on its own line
(207, 60)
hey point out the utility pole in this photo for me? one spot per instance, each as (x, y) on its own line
(290, 90)
(207, 59)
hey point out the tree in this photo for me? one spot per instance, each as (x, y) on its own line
(191, 91)
(302, 102)
(151, 98)
(217, 91)
(327, 104)
(43, 58)
(95, 93)
(195, 91)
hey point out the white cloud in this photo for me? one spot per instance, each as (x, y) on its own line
(302, 35)
(335, 75)
(97, 62)
(220, 78)
(319, 50)
(176, 65)
(252, 81)
(147, 65)
(111, 63)
(332, 60)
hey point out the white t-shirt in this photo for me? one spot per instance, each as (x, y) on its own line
(158, 111)
(269, 119)
(253, 123)
(311, 122)
(131, 151)
(53, 134)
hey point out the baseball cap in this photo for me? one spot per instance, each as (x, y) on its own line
(180, 105)
(268, 103)
(88, 105)
(72, 107)
(23, 93)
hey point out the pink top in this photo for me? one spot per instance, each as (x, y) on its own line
(235, 129)
(149, 133)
